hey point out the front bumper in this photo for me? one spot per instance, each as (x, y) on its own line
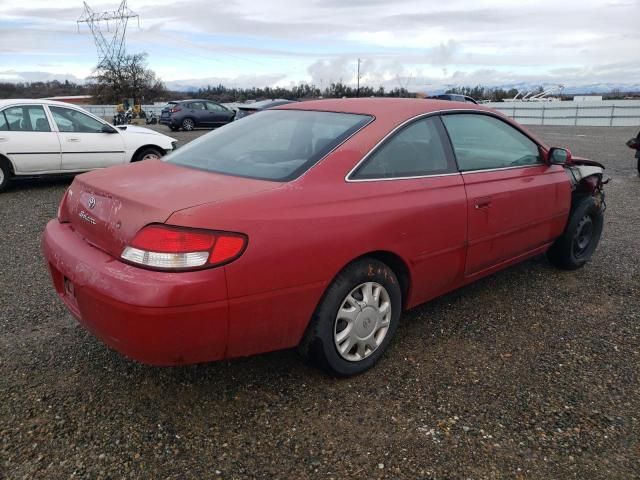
(157, 318)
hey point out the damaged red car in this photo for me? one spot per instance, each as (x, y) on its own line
(313, 225)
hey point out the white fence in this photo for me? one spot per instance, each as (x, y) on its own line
(611, 113)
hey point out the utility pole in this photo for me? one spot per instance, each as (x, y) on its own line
(358, 90)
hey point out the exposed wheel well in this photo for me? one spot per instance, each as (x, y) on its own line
(4, 160)
(399, 267)
(134, 158)
(588, 186)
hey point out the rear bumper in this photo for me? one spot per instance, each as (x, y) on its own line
(157, 318)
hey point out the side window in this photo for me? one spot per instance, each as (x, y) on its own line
(416, 150)
(27, 118)
(214, 107)
(197, 106)
(483, 142)
(69, 120)
(4, 125)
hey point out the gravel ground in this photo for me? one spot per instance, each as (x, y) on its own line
(530, 373)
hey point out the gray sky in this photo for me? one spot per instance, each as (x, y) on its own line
(425, 45)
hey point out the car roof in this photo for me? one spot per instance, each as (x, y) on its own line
(192, 100)
(395, 109)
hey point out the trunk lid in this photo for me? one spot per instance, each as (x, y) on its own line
(108, 207)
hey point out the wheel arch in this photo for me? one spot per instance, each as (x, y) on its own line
(134, 157)
(6, 160)
(399, 267)
(395, 262)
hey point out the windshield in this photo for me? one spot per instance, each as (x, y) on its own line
(271, 145)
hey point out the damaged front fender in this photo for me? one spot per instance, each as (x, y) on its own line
(586, 175)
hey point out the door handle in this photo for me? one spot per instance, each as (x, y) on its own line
(3, 139)
(481, 203)
(73, 140)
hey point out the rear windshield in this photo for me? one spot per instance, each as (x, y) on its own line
(270, 145)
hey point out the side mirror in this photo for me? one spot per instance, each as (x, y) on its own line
(108, 129)
(559, 156)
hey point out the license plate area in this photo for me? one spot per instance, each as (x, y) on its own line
(69, 289)
(68, 296)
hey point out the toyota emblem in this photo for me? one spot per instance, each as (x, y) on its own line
(91, 202)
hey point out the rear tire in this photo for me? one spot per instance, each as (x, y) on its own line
(355, 320)
(5, 174)
(188, 124)
(581, 235)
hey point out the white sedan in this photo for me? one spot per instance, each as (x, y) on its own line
(41, 137)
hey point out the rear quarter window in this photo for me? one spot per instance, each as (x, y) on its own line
(418, 149)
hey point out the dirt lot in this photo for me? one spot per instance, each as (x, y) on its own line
(531, 373)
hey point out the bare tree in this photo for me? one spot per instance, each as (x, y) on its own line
(126, 77)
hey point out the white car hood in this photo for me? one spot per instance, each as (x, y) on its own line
(136, 129)
(136, 137)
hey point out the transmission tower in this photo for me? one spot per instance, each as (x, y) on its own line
(108, 29)
(404, 84)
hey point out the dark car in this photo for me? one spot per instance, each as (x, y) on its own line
(248, 109)
(454, 98)
(634, 143)
(190, 114)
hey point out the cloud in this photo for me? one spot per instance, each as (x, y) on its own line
(321, 40)
(246, 81)
(324, 72)
(18, 77)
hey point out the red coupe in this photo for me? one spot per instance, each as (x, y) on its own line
(313, 225)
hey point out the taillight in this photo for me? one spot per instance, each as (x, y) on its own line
(175, 109)
(167, 247)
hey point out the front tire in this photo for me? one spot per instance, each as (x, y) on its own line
(149, 153)
(355, 320)
(575, 247)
